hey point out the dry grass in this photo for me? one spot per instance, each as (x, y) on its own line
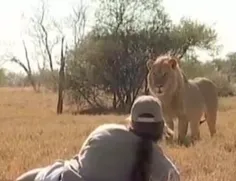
(32, 135)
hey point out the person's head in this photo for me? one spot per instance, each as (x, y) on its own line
(146, 119)
(147, 122)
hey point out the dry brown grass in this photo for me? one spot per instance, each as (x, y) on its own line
(32, 135)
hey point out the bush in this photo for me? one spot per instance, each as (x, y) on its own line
(225, 88)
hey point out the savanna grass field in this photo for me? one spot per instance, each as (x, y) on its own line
(32, 135)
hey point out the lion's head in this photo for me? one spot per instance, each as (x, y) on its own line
(163, 75)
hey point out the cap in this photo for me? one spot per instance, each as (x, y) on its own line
(146, 104)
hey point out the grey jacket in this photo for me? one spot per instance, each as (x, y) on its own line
(107, 154)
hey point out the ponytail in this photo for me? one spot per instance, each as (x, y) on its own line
(148, 133)
(142, 166)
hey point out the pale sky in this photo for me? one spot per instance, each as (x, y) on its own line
(217, 13)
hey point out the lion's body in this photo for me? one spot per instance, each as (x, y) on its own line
(186, 100)
(210, 95)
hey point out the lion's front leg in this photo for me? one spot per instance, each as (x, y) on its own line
(182, 128)
(195, 131)
(170, 123)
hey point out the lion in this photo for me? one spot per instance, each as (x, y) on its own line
(186, 100)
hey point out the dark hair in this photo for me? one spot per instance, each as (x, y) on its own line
(142, 166)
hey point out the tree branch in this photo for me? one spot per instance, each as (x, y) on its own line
(27, 57)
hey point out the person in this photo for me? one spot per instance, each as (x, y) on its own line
(118, 152)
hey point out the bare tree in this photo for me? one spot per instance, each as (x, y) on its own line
(43, 25)
(79, 23)
(27, 68)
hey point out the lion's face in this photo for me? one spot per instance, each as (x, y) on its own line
(161, 77)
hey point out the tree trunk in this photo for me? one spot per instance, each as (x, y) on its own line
(61, 82)
(114, 103)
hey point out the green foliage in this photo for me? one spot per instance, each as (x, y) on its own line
(48, 79)
(197, 34)
(225, 88)
(16, 79)
(231, 61)
(194, 68)
(191, 34)
(3, 78)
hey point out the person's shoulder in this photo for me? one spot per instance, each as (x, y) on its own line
(164, 164)
(173, 175)
(107, 134)
(110, 126)
(107, 130)
(159, 155)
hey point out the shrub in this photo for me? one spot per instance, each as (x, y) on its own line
(225, 88)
